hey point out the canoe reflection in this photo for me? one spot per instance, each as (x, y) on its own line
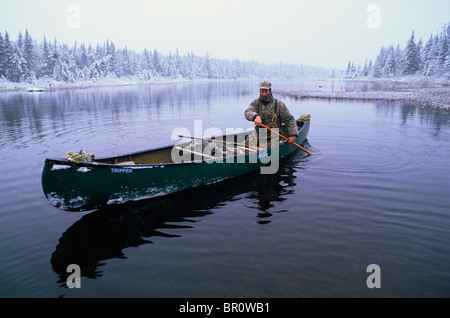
(104, 233)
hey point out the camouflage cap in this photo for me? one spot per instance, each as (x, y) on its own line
(265, 85)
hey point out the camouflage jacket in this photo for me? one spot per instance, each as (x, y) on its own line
(271, 118)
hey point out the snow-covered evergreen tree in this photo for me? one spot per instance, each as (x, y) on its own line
(48, 61)
(351, 71)
(8, 55)
(2, 57)
(398, 60)
(380, 62)
(443, 50)
(365, 70)
(429, 59)
(30, 56)
(390, 67)
(157, 66)
(446, 69)
(26, 60)
(431, 64)
(411, 59)
(426, 54)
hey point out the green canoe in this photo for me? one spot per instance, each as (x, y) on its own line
(88, 185)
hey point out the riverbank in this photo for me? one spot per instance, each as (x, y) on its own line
(49, 84)
(435, 97)
(418, 91)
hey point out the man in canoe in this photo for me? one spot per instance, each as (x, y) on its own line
(271, 112)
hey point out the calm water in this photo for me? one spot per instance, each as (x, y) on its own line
(377, 194)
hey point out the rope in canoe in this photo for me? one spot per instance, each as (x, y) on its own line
(305, 117)
(79, 157)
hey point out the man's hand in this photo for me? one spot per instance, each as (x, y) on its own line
(291, 140)
(258, 121)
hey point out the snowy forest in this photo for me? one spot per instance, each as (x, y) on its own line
(24, 60)
(431, 59)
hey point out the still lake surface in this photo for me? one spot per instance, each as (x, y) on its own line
(378, 193)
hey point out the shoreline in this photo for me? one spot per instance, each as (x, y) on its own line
(419, 91)
(49, 85)
(433, 97)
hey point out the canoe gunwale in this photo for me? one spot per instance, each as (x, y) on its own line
(99, 164)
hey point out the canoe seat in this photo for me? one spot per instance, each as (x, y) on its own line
(126, 163)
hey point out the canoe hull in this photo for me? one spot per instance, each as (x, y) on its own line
(86, 186)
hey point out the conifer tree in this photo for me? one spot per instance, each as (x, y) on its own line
(379, 63)
(157, 63)
(442, 51)
(431, 64)
(48, 63)
(2, 57)
(8, 52)
(446, 69)
(25, 60)
(30, 55)
(390, 67)
(410, 62)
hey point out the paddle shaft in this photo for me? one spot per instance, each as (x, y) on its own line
(196, 153)
(307, 151)
(241, 146)
(214, 140)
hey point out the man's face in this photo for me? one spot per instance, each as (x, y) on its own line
(264, 92)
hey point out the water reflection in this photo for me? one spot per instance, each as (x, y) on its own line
(103, 234)
(435, 119)
(24, 115)
(105, 111)
(272, 189)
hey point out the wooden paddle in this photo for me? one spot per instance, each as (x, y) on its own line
(238, 145)
(196, 153)
(307, 151)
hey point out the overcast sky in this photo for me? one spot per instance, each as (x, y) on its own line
(325, 33)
